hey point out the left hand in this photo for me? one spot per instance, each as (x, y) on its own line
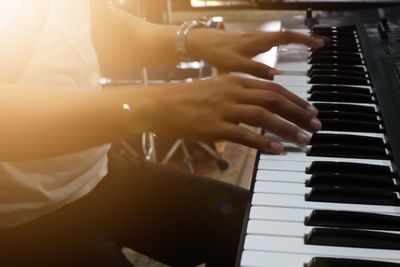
(233, 52)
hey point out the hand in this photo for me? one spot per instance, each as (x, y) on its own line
(211, 109)
(229, 51)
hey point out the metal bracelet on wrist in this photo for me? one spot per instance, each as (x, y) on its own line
(181, 36)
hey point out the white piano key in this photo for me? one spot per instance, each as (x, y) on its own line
(276, 162)
(378, 135)
(287, 214)
(289, 229)
(252, 258)
(300, 64)
(281, 188)
(273, 259)
(298, 201)
(296, 245)
(281, 176)
(278, 214)
(292, 78)
(300, 156)
(294, 72)
(294, 166)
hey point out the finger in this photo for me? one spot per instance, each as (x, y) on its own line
(286, 37)
(282, 106)
(260, 117)
(257, 69)
(237, 134)
(252, 83)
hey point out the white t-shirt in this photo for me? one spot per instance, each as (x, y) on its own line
(64, 57)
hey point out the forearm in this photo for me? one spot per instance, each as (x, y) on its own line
(37, 124)
(124, 41)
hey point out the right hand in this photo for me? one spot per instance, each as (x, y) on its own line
(211, 109)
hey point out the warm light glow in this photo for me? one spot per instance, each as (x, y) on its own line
(211, 3)
(126, 107)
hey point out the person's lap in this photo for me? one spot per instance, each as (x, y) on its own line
(173, 217)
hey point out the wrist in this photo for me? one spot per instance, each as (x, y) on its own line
(182, 36)
(199, 41)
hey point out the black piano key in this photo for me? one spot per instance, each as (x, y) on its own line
(356, 74)
(345, 107)
(348, 167)
(339, 40)
(342, 115)
(335, 60)
(329, 33)
(353, 195)
(334, 28)
(343, 262)
(345, 54)
(338, 79)
(332, 31)
(350, 126)
(341, 97)
(337, 47)
(350, 219)
(347, 151)
(353, 180)
(346, 139)
(340, 88)
(352, 238)
(338, 67)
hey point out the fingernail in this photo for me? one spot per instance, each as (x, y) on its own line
(313, 110)
(277, 147)
(272, 72)
(302, 138)
(315, 124)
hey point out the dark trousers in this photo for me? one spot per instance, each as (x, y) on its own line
(173, 217)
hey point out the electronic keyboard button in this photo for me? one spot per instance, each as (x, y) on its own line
(341, 54)
(341, 88)
(340, 97)
(342, 41)
(259, 258)
(342, 115)
(296, 245)
(353, 180)
(297, 202)
(338, 79)
(341, 262)
(343, 28)
(351, 219)
(337, 47)
(356, 74)
(336, 53)
(353, 195)
(346, 139)
(347, 167)
(348, 151)
(352, 238)
(345, 107)
(359, 69)
(350, 125)
(335, 34)
(335, 60)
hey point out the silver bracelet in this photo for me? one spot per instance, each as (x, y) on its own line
(181, 36)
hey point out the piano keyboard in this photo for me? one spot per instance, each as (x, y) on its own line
(336, 202)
